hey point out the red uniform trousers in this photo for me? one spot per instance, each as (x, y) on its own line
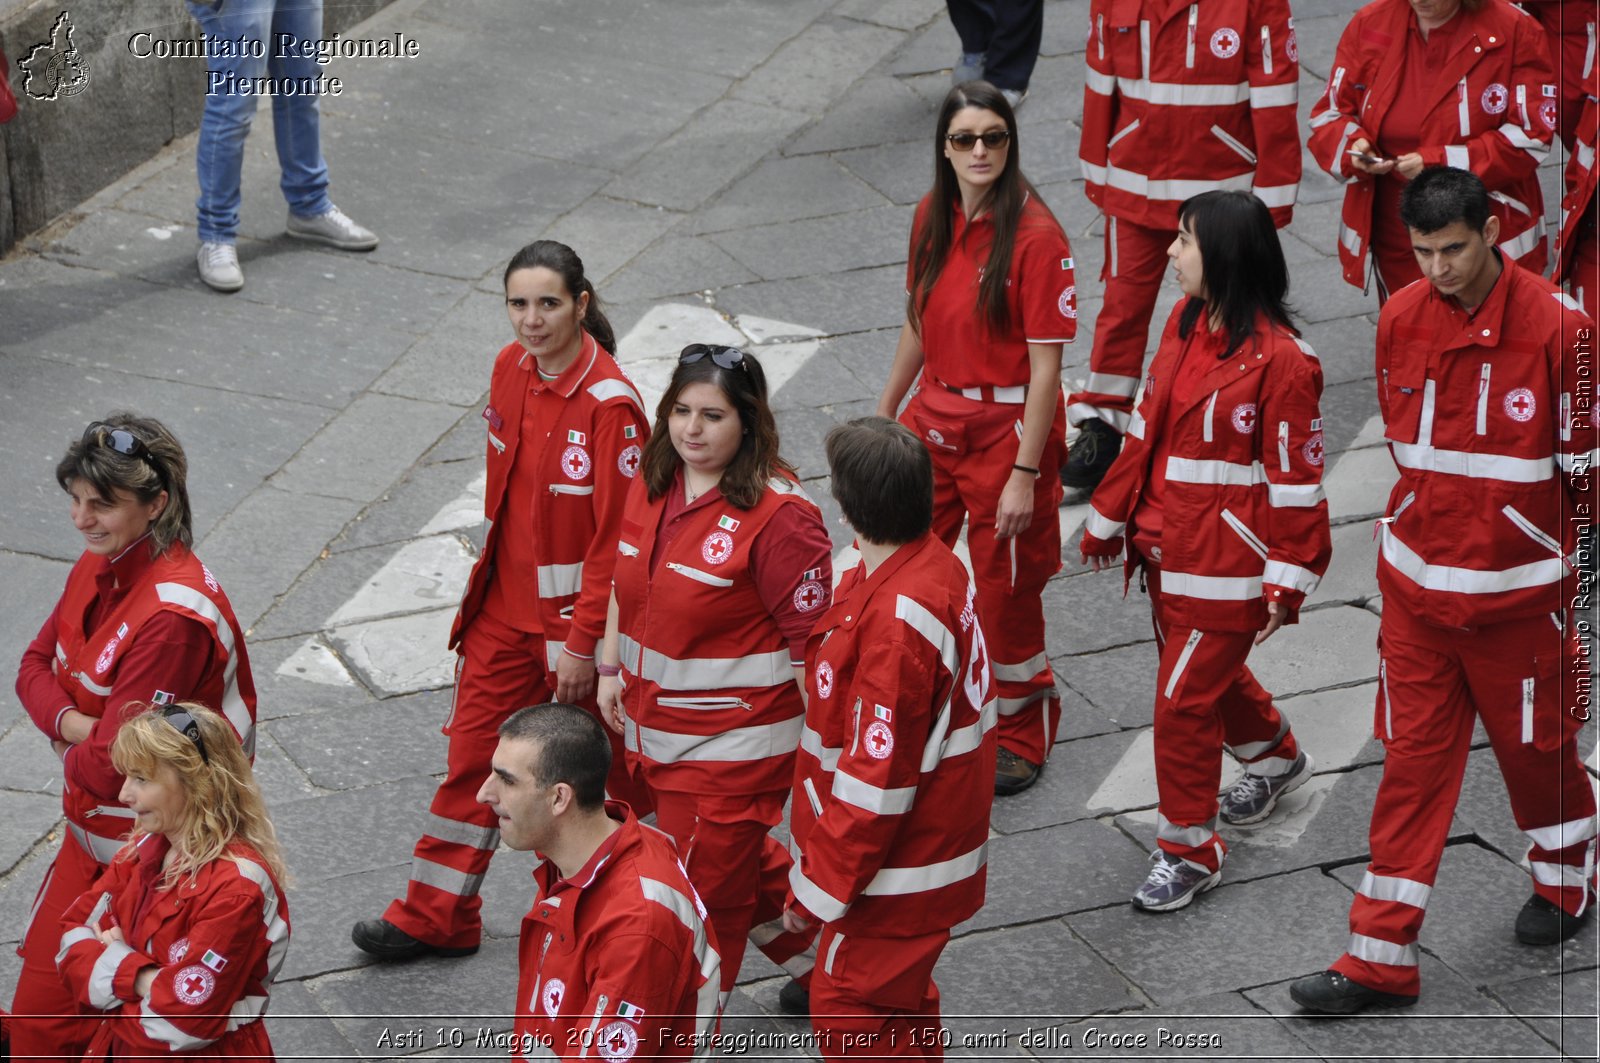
(740, 872)
(1206, 702)
(1136, 260)
(1515, 676)
(875, 998)
(1010, 575)
(500, 670)
(63, 1034)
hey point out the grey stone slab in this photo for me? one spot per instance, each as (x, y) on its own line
(168, 194)
(1050, 156)
(1040, 874)
(1352, 575)
(933, 49)
(1318, 32)
(25, 820)
(902, 170)
(1344, 346)
(1118, 684)
(280, 696)
(1560, 1008)
(780, 190)
(27, 763)
(1074, 626)
(1329, 647)
(465, 441)
(901, 14)
(1221, 1026)
(328, 584)
(351, 831)
(866, 355)
(875, 110)
(397, 738)
(33, 585)
(279, 777)
(366, 447)
(854, 301)
(1345, 410)
(1332, 297)
(1264, 920)
(400, 512)
(822, 381)
(18, 889)
(1055, 95)
(298, 1026)
(1069, 779)
(838, 243)
(809, 71)
(677, 266)
(1079, 719)
(607, 234)
(1484, 809)
(1359, 483)
(451, 363)
(1066, 27)
(706, 155)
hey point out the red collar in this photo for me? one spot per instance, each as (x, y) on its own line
(573, 375)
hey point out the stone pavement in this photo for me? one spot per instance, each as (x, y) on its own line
(738, 171)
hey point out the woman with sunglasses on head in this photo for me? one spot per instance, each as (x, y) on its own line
(178, 942)
(1225, 451)
(141, 620)
(722, 567)
(565, 429)
(990, 303)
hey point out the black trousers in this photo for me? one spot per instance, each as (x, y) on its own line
(1007, 32)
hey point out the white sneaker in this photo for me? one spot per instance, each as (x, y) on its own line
(219, 267)
(1014, 97)
(334, 229)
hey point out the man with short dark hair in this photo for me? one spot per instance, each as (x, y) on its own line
(1478, 367)
(616, 957)
(895, 774)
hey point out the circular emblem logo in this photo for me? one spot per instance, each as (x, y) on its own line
(1291, 48)
(809, 595)
(1520, 404)
(936, 436)
(879, 740)
(178, 950)
(1244, 417)
(824, 680)
(1225, 43)
(575, 462)
(618, 1041)
(104, 660)
(551, 995)
(1068, 303)
(1312, 451)
(628, 460)
(717, 548)
(1494, 98)
(194, 984)
(1547, 113)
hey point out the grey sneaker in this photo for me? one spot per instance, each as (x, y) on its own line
(1014, 97)
(219, 267)
(1253, 797)
(1172, 884)
(968, 68)
(334, 229)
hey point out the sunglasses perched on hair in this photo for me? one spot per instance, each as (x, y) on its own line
(179, 717)
(994, 138)
(120, 440)
(726, 357)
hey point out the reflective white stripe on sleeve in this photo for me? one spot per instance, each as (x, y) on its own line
(874, 799)
(707, 1000)
(611, 389)
(1410, 564)
(1456, 155)
(558, 581)
(736, 744)
(103, 972)
(1563, 834)
(157, 1028)
(1294, 496)
(1111, 384)
(233, 705)
(1136, 425)
(827, 756)
(1211, 588)
(1520, 139)
(1281, 574)
(72, 937)
(818, 901)
(1425, 457)
(1395, 889)
(1522, 244)
(1285, 95)
(1100, 526)
(1276, 195)
(1377, 950)
(916, 616)
(102, 849)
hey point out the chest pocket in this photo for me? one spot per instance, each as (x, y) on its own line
(699, 575)
(1405, 388)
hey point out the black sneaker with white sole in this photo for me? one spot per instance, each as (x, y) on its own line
(1089, 458)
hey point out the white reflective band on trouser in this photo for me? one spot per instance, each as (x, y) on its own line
(1211, 588)
(1012, 706)
(1100, 526)
(874, 799)
(1563, 834)
(472, 835)
(1020, 672)
(706, 673)
(102, 849)
(1110, 384)
(1215, 473)
(559, 581)
(1377, 950)
(1282, 574)
(1121, 420)
(734, 744)
(1193, 837)
(448, 879)
(1560, 875)
(1409, 564)
(1426, 458)
(1394, 889)
(1294, 496)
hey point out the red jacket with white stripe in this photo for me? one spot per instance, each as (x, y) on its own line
(1496, 119)
(708, 684)
(1581, 174)
(1184, 98)
(892, 787)
(1493, 430)
(621, 963)
(218, 940)
(1244, 518)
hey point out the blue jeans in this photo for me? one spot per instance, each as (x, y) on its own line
(226, 120)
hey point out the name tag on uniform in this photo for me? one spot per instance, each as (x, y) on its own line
(495, 420)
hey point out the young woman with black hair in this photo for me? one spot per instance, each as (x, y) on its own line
(1225, 450)
(990, 303)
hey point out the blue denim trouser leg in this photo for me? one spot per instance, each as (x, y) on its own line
(226, 120)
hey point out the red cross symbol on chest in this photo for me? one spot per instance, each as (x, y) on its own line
(717, 547)
(194, 985)
(1522, 405)
(1247, 418)
(575, 463)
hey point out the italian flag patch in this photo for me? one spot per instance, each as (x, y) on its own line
(575, 436)
(214, 961)
(632, 1012)
(629, 431)
(727, 523)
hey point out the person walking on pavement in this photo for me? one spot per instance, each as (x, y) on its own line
(990, 303)
(247, 39)
(723, 565)
(1477, 373)
(1218, 499)
(616, 957)
(999, 43)
(174, 949)
(1577, 252)
(1178, 99)
(892, 791)
(564, 431)
(1415, 83)
(141, 622)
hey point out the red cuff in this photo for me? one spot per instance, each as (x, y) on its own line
(802, 911)
(1093, 546)
(1285, 598)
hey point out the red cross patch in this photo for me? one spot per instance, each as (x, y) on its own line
(1494, 98)
(178, 950)
(617, 1042)
(1068, 302)
(1520, 404)
(809, 595)
(1225, 43)
(1547, 113)
(717, 548)
(628, 461)
(824, 680)
(879, 740)
(106, 656)
(551, 996)
(575, 462)
(1312, 451)
(1291, 48)
(1244, 418)
(194, 984)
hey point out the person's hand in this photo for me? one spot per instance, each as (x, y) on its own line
(1101, 563)
(111, 936)
(1276, 615)
(144, 979)
(1360, 151)
(608, 695)
(574, 678)
(1408, 165)
(60, 747)
(1015, 512)
(794, 922)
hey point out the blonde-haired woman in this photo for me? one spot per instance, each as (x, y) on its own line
(178, 942)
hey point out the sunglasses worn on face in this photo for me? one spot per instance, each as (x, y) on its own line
(179, 717)
(726, 357)
(994, 138)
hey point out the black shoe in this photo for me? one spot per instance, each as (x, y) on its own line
(1333, 994)
(381, 938)
(1013, 774)
(1089, 459)
(1543, 923)
(794, 999)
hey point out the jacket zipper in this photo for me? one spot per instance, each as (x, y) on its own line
(1124, 131)
(1266, 50)
(571, 489)
(1211, 408)
(1391, 518)
(1251, 539)
(501, 447)
(811, 795)
(1283, 446)
(1194, 20)
(699, 575)
(855, 739)
(1463, 112)
(705, 703)
(1533, 531)
(1100, 34)
(1234, 143)
(1483, 400)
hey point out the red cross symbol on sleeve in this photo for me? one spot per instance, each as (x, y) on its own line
(1314, 451)
(194, 985)
(631, 460)
(617, 1042)
(810, 596)
(876, 741)
(576, 463)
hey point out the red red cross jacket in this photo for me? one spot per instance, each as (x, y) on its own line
(895, 775)
(1184, 98)
(1496, 118)
(586, 460)
(1580, 181)
(1243, 482)
(218, 939)
(1492, 425)
(708, 686)
(86, 665)
(618, 963)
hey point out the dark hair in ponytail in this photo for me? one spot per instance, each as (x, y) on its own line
(564, 261)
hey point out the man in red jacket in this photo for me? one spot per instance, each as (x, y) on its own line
(1479, 372)
(616, 958)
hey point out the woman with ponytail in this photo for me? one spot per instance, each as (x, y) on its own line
(565, 428)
